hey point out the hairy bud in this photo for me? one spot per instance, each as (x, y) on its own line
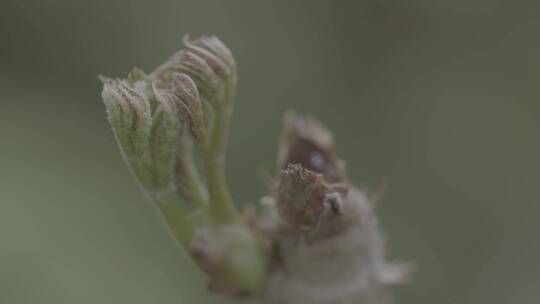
(165, 135)
(209, 63)
(218, 48)
(214, 58)
(185, 88)
(146, 124)
(129, 113)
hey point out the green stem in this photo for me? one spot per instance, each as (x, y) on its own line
(220, 199)
(222, 121)
(222, 208)
(198, 194)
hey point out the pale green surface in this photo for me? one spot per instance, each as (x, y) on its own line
(440, 98)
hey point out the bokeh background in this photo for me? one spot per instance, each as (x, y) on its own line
(438, 98)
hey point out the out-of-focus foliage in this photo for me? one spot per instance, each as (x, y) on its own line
(439, 98)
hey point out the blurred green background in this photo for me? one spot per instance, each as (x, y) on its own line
(438, 98)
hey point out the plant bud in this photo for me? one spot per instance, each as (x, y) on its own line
(209, 84)
(186, 88)
(136, 74)
(218, 48)
(147, 127)
(216, 63)
(208, 62)
(165, 134)
(187, 91)
(129, 113)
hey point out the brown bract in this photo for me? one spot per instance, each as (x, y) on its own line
(301, 196)
(307, 142)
